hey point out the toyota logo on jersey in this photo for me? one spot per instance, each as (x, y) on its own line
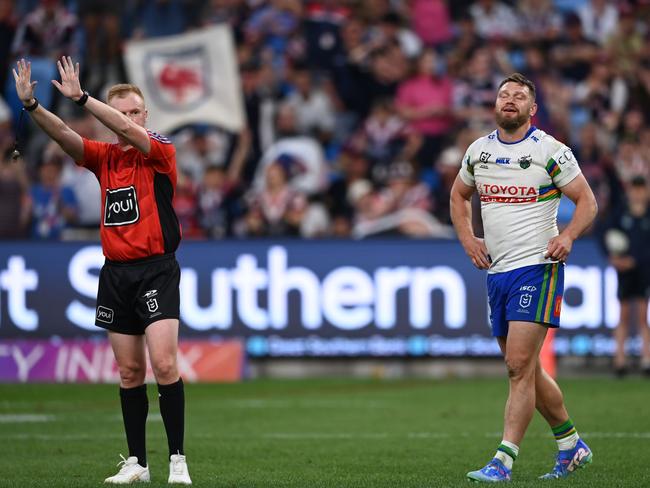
(121, 206)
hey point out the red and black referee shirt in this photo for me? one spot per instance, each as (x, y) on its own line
(138, 220)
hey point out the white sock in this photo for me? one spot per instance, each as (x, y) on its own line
(507, 452)
(568, 442)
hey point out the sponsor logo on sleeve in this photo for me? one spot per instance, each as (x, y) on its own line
(565, 157)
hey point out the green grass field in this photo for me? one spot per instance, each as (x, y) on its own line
(321, 433)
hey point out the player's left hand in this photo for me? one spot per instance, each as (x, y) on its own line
(69, 86)
(558, 248)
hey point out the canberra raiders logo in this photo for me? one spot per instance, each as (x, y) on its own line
(524, 161)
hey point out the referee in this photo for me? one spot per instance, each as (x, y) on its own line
(138, 296)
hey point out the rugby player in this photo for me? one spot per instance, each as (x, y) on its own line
(520, 173)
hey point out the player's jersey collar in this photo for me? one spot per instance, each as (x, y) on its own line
(526, 136)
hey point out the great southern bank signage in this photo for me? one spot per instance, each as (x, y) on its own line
(323, 298)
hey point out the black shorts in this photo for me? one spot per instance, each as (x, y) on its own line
(634, 283)
(132, 296)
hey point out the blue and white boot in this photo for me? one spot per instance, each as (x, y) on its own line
(493, 472)
(570, 460)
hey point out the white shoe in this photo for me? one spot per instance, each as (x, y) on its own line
(130, 472)
(178, 472)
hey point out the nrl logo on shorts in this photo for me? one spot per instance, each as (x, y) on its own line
(178, 79)
(525, 300)
(524, 161)
(152, 302)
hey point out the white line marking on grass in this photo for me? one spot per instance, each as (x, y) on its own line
(266, 403)
(324, 435)
(15, 418)
(289, 436)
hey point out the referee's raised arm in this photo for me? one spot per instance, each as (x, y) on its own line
(52, 125)
(127, 124)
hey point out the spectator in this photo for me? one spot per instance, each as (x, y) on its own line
(599, 20)
(431, 21)
(390, 30)
(53, 206)
(44, 35)
(312, 106)
(446, 167)
(156, 18)
(6, 136)
(322, 24)
(215, 203)
(186, 206)
(272, 25)
(474, 91)
(259, 100)
(401, 208)
(47, 32)
(384, 136)
(626, 242)
(573, 54)
(276, 208)
(14, 210)
(494, 19)
(7, 32)
(602, 95)
(200, 146)
(426, 102)
(539, 21)
(101, 26)
(354, 167)
(85, 187)
(301, 156)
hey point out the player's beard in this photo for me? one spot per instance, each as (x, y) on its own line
(511, 124)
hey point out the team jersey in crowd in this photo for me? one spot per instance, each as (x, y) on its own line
(518, 184)
(138, 220)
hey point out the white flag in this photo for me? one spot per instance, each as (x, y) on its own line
(189, 78)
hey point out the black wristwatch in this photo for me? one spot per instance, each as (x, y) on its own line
(32, 107)
(83, 99)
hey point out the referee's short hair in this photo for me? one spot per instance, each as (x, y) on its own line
(521, 80)
(123, 89)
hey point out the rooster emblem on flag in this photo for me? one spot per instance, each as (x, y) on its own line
(178, 79)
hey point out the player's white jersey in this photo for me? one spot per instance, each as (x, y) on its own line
(518, 184)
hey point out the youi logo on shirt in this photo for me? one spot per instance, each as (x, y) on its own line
(121, 206)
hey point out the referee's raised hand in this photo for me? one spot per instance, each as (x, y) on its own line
(24, 85)
(69, 85)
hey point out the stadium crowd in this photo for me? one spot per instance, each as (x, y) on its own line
(358, 111)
